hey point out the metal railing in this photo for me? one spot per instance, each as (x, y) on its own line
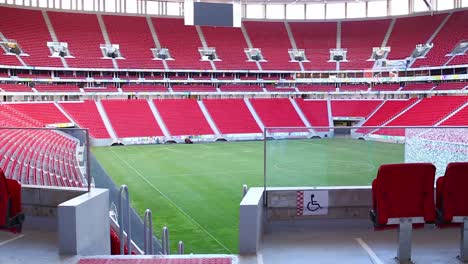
(124, 189)
(148, 232)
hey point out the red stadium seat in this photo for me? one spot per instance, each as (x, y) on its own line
(451, 201)
(403, 190)
(11, 217)
(403, 194)
(451, 192)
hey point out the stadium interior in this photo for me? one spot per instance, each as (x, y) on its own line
(224, 132)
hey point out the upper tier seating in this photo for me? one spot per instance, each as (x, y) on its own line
(230, 45)
(272, 39)
(451, 86)
(183, 117)
(86, 115)
(46, 113)
(84, 37)
(418, 87)
(403, 190)
(354, 87)
(427, 112)
(193, 88)
(231, 116)
(358, 37)
(8, 87)
(451, 192)
(459, 60)
(31, 34)
(131, 118)
(277, 112)
(411, 31)
(183, 43)
(316, 111)
(56, 88)
(388, 110)
(354, 108)
(446, 40)
(317, 39)
(240, 88)
(386, 87)
(316, 88)
(458, 119)
(144, 88)
(135, 40)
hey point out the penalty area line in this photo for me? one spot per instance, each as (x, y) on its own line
(170, 201)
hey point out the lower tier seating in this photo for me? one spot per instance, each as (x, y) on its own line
(86, 115)
(316, 111)
(131, 118)
(231, 116)
(388, 110)
(183, 117)
(277, 113)
(425, 113)
(354, 108)
(46, 113)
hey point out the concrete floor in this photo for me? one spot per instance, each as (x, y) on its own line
(324, 242)
(345, 241)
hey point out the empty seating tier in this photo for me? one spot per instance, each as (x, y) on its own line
(386, 87)
(46, 113)
(8, 87)
(86, 115)
(57, 88)
(183, 117)
(183, 43)
(31, 34)
(193, 88)
(354, 87)
(316, 39)
(143, 88)
(353, 108)
(358, 44)
(452, 86)
(277, 113)
(427, 112)
(273, 40)
(388, 110)
(458, 119)
(230, 45)
(135, 40)
(131, 118)
(316, 111)
(316, 88)
(240, 88)
(231, 116)
(84, 37)
(411, 31)
(418, 87)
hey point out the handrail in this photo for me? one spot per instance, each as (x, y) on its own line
(124, 189)
(165, 241)
(180, 249)
(148, 232)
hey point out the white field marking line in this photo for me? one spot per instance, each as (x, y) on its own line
(166, 148)
(172, 202)
(373, 257)
(11, 240)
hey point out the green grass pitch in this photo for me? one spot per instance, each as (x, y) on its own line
(196, 189)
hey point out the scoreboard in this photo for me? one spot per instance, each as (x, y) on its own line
(212, 14)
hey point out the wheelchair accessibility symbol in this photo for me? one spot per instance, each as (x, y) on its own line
(313, 205)
(312, 202)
